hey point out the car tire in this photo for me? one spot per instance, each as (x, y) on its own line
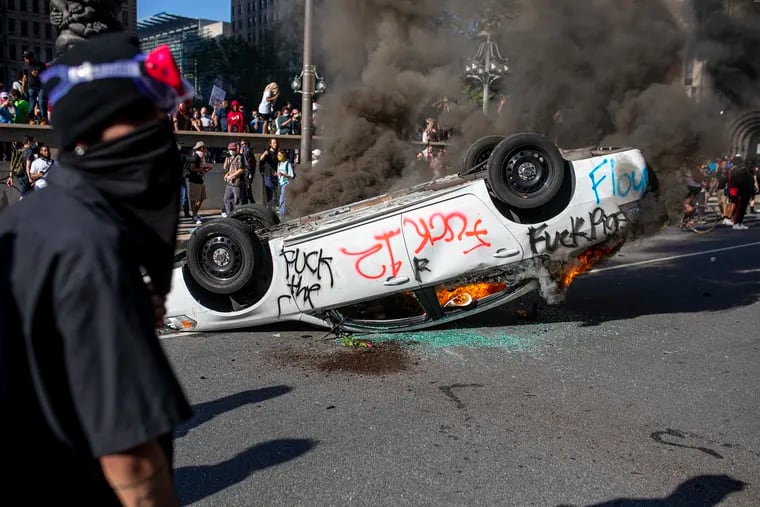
(255, 216)
(223, 255)
(476, 157)
(526, 171)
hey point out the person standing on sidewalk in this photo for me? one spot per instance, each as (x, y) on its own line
(41, 167)
(268, 168)
(234, 176)
(743, 181)
(196, 186)
(85, 388)
(285, 173)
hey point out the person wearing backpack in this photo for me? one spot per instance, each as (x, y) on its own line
(234, 177)
(21, 165)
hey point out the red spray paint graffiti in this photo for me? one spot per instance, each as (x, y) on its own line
(384, 244)
(447, 224)
(434, 229)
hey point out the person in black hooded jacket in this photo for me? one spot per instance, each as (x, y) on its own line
(89, 400)
(743, 180)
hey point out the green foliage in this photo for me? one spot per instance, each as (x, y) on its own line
(235, 62)
(243, 68)
(356, 343)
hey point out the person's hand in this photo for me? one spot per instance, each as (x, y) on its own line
(9, 181)
(159, 309)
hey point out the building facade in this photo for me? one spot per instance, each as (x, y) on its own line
(25, 25)
(184, 36)
(254, 20)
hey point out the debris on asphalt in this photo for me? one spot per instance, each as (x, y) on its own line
(379, 359)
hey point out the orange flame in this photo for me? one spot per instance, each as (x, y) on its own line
(475, 291)
(584, 262)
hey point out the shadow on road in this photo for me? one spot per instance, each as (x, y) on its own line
(195, 483)
(700, 491)
(204, 412)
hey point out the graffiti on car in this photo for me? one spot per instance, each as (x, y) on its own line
(305, 274)
(448, 227)
(600, 225)
(622, 182)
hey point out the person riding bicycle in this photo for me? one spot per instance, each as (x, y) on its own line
(694, 190)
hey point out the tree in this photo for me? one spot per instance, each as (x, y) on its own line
(234, 62)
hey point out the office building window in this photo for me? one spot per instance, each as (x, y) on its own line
(48, 31)
(35, 29)
(37, 52)
(22, 5)
(36, 5)
(24, 28)
(11, 4)
(48, 54)
(12, 54)
(12, 26)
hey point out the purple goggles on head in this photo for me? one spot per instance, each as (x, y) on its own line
(155, 74)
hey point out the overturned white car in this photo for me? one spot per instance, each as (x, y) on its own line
(416, 258)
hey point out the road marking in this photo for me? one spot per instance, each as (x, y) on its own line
(182, 334)
(674, 257)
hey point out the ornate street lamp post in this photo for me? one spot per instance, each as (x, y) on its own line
(487, 66)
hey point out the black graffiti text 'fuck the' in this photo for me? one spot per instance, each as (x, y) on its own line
(313, 263)
(304, 274)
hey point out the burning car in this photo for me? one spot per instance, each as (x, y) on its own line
(520, 209)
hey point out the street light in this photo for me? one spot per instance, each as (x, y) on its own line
(487, 66)
(297, 83)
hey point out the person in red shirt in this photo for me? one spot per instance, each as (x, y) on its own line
(235, 121)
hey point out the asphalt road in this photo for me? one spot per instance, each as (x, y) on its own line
(641, 388)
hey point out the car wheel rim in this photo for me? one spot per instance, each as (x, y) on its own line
(483, 156)
(527, 171)
(221, 257)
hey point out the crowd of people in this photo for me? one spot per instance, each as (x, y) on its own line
(734, 181)
(275, 166)
(233, 117)
(25, 102)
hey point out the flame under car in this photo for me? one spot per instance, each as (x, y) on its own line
(520, 208)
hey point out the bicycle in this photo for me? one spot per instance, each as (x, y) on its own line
(702, 217)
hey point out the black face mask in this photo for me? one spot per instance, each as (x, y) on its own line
(140, 175)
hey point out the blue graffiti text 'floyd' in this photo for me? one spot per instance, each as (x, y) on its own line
(622, 183)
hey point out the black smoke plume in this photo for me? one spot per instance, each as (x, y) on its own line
(727, 39)
(584, 72)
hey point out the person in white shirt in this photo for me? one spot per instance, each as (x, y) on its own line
(40, 167)
(268, 99)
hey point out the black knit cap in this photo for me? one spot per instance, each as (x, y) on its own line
(89, 107)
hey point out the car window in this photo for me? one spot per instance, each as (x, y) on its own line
(397, 307)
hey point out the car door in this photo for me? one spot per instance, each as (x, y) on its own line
(457, 236)
(355, 263)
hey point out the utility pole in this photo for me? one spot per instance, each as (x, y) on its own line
(309, 73)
